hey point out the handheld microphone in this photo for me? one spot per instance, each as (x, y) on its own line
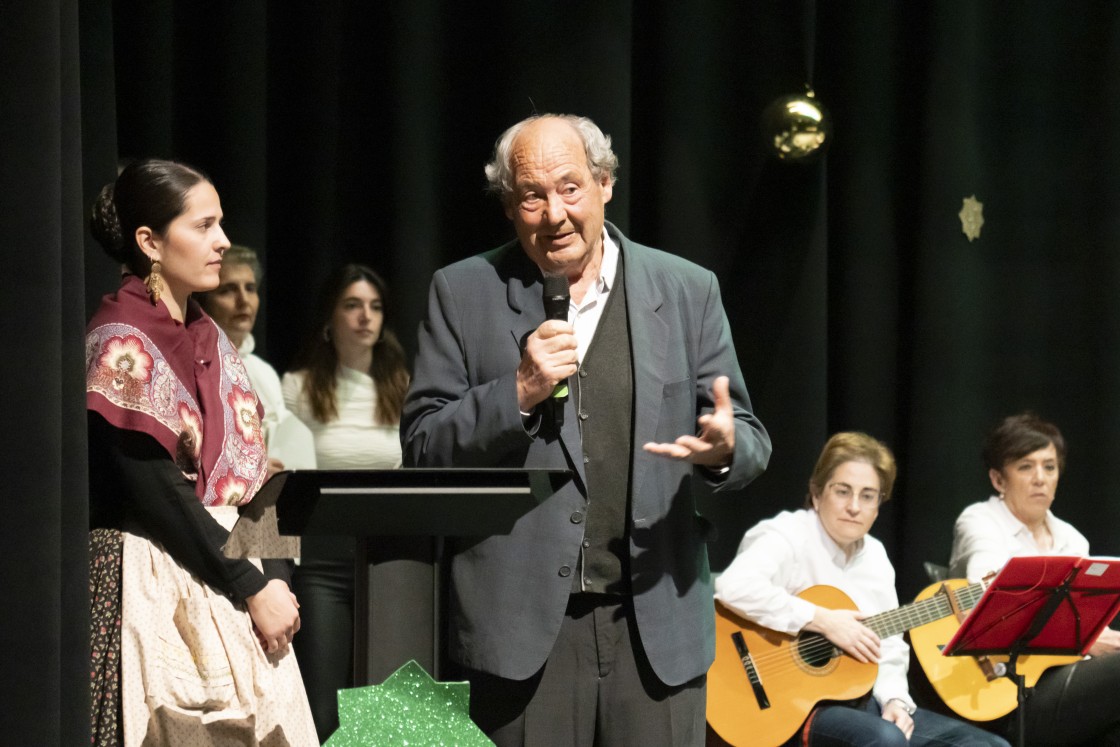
(556, 303)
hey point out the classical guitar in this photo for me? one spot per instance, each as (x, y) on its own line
(763, 684)
(971, 688)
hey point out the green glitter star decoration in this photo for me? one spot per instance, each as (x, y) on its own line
(409, 709)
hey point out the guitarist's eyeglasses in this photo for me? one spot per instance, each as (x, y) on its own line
(843, 492)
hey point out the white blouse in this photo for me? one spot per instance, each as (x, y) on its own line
(353, 440)
(782, 556)
(986, 535)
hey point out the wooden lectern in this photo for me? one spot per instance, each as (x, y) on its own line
(399, 519)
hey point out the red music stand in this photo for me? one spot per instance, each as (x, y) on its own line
(1040, 605)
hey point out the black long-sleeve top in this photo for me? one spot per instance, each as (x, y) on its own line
(133, 479)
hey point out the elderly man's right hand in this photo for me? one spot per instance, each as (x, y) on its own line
(550, 356)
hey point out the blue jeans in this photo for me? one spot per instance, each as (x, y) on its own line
(844, 726)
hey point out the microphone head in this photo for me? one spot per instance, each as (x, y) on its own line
(556, 286)
(556, 297)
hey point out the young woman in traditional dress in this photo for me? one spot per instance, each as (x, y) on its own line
(189, 647)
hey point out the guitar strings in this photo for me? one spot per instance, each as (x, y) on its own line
(916, 614)
(910, 616)
(777, 662)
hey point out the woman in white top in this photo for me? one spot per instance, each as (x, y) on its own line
(1025, 455)
(827, 542)
(234, 305)
(348, 389)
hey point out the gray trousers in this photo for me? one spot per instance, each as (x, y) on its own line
(597, 689)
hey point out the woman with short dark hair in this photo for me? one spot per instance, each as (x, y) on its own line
(1025, 456)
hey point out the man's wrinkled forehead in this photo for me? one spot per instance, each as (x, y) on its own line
(547, 146)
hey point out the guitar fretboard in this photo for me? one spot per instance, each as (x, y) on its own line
(899, 620)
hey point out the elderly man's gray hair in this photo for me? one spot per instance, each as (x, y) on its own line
(596, 145)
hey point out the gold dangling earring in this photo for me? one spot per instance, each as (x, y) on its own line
(155, 281)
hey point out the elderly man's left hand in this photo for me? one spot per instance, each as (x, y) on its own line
(716, 442)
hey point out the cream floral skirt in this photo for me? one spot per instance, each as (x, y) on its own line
(192, 669)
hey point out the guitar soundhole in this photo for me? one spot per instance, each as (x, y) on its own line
(815, 650)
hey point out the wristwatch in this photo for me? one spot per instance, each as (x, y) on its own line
(905, 706)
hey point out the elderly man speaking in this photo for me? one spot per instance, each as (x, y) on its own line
(591, 622)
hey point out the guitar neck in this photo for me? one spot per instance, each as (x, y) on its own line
(901, 619)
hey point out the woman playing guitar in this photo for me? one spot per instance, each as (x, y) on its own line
(1070, 704)
(827, 542)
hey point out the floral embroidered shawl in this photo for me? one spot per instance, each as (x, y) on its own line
(182, 384)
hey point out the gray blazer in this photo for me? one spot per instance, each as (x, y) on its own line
(509, 592)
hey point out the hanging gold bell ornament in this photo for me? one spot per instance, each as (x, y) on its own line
(797, 128)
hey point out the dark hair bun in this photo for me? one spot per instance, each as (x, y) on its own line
(148, 193)
(105, 225)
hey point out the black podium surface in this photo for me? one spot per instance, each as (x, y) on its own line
(399, 519)
(429, 502)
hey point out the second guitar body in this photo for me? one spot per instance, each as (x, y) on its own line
(960, 681)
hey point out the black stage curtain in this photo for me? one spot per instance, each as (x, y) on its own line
(44, 632)
(933, 338)
(343, 131)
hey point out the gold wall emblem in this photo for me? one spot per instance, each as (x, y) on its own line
(972, 217)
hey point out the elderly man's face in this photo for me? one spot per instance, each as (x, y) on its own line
(557, 207)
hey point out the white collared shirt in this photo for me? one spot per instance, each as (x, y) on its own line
(986, 535)
(783, 556)
(585, 316)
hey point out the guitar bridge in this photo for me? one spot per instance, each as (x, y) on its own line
(752, 672)
(992, 671)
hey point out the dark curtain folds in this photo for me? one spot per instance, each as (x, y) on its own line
(934, 338)
(381, 118)
(704, 186)
(43, 633)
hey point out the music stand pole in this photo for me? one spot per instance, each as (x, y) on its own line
(1021, 693)
(1053, 599)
